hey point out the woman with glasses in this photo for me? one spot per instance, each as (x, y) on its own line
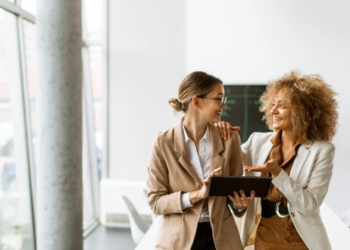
(183, 160)
(302, 111)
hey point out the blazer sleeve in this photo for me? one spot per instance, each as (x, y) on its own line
(160, 198)
(309, 198)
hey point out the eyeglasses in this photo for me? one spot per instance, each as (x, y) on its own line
(222, 99)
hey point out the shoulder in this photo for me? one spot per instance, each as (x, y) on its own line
(165, 136)
(320, 146)
(260, 136)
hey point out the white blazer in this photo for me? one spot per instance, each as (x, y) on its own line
(305, 187)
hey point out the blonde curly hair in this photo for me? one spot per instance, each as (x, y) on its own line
(312, 102)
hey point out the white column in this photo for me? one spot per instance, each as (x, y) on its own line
(59, 164)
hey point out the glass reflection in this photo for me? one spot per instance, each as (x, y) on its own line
(95, 56)
(29, 5)
(16, 221)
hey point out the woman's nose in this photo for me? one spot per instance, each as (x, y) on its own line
(273, 110)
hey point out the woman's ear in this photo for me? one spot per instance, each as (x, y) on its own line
(195, 102)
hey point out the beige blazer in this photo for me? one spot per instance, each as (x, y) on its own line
(305, 188)
(170, 174)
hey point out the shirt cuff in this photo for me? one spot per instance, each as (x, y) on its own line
(185, 201)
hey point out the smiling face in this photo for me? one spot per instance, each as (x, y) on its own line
(212, 105)
(281, 113)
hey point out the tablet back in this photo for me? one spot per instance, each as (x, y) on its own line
(226, 185)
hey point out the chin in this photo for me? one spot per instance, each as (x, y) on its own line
(217, 120)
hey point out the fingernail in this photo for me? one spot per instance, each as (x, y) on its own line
(235, 193)
(253, 192)
(241, 192)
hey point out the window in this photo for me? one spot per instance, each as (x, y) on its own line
(16, 220)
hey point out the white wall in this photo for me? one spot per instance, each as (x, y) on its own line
(254, 41)
(154, 44)
(147, 63)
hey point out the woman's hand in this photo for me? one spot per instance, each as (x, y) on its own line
(225, 129)
(241, 201)
(203, 193)
(270, 166)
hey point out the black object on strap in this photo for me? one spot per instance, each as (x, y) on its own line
(268, 209)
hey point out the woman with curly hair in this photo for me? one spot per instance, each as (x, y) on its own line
(298, 155)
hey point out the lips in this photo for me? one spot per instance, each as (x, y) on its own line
(218, 113)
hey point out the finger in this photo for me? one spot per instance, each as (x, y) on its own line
(206, 180)
(224, 130)
(233, 199)
(252, 195)
(271, 160)
(216, 171)
(247, 168)
(238, 198)
(236, 128)
(258, 169)
(229, 130)
(243, 196)
(219, 125)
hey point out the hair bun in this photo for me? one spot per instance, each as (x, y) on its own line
(175, 104)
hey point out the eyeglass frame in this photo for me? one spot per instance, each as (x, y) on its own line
(222, 99)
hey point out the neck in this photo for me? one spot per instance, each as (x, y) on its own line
(195, 128)
(289, 139)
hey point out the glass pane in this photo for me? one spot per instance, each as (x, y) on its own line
(16, 221)
(29, 5)
(88, 206)
(29, 31)
(93, 19)
(95, 55)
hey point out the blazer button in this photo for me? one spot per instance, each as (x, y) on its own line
(292, 214)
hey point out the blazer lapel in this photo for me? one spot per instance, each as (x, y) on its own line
(216, 160)
(180, 148)
(264, 153)
(300, 159)
(217, 146)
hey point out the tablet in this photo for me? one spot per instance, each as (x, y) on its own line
(226, 185)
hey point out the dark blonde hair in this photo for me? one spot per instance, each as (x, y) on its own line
(312, 102)
(197, 83)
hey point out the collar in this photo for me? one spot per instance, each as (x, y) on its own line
(276, 139)
(206, 135)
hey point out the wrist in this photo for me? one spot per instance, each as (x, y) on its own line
(276, 173)
(195, 196)
(238, 209)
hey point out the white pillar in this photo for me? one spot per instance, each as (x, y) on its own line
(59, 164)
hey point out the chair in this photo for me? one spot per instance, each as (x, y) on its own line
(346, 218)
(137, 225)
